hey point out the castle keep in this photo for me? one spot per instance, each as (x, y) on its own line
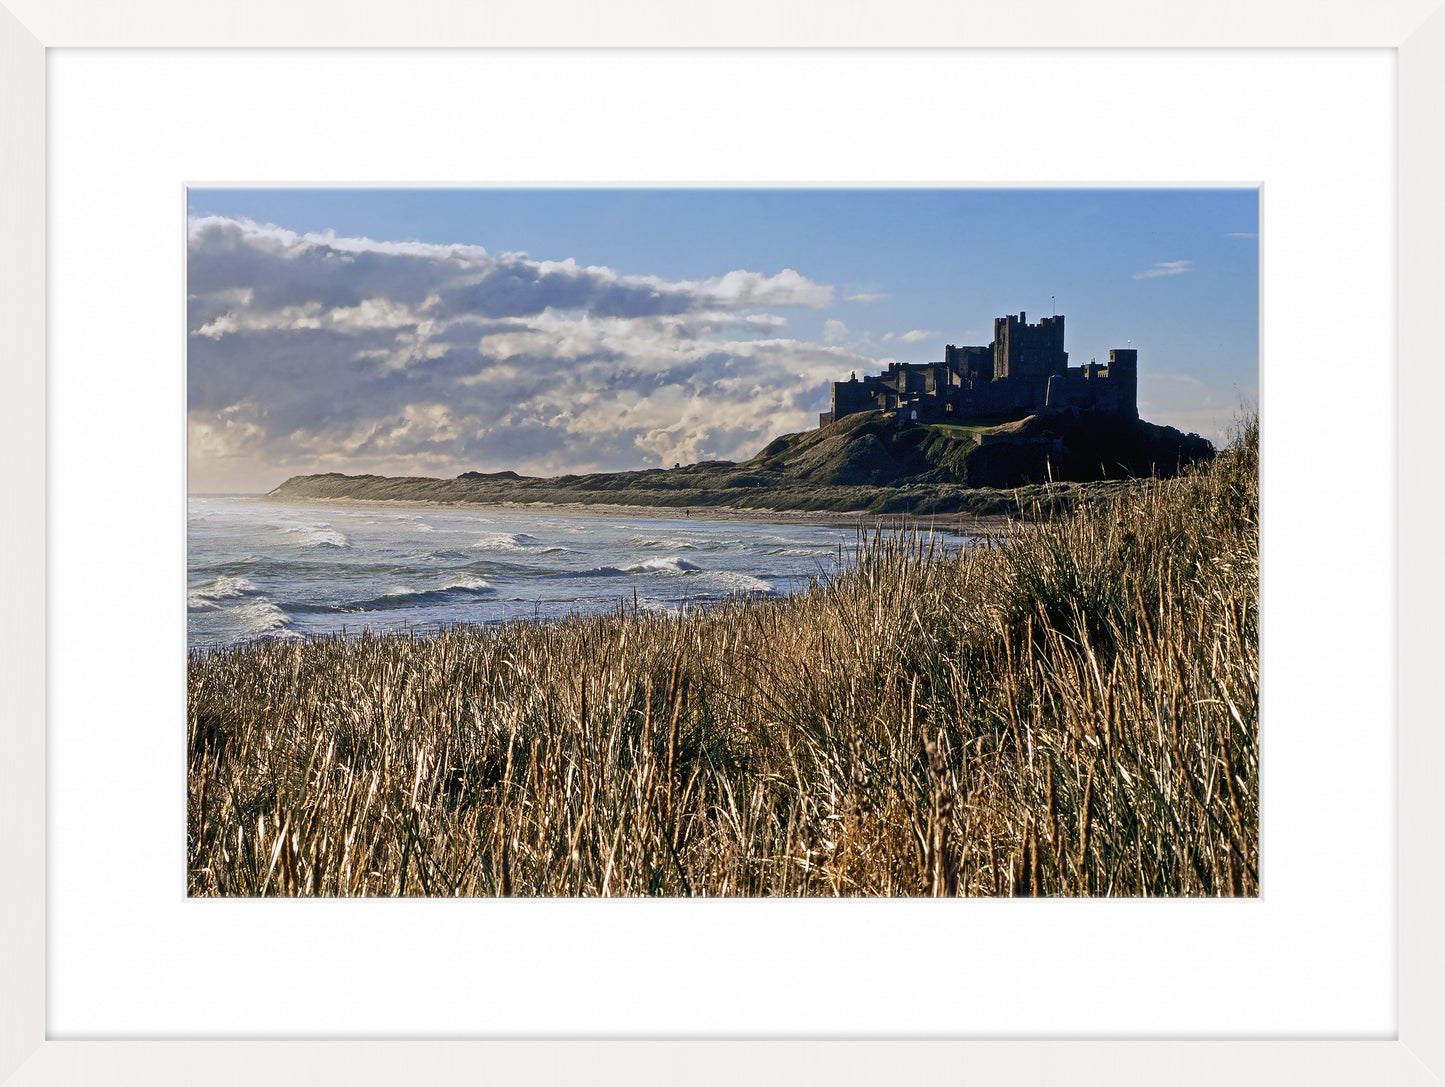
(1024, 371)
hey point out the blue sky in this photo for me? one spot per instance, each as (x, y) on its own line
(554, 330)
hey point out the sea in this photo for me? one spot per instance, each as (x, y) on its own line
(259, 568)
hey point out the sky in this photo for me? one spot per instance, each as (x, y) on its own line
(549, 331)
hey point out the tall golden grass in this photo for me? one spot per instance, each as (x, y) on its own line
(1073, 711)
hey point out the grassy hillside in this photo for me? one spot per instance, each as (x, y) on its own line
(869, 462)
(1073, 711)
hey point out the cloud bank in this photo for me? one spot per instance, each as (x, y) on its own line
(313, 353)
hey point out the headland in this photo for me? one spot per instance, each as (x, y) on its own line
(871, 462)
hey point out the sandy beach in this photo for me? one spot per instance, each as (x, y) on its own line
(962, 524)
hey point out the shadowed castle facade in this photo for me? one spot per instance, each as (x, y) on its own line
(1024, 371)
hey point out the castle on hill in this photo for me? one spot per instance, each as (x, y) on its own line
(1024, 371)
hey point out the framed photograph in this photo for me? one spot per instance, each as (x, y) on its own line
(604, 526)
(111, 964)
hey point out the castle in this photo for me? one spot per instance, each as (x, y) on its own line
(1024, 371)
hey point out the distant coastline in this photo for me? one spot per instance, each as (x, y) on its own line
(867, 465)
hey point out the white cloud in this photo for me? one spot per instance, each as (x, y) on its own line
(312, 353)
(834, 331)
(787, 288)
(770, 321)
(917, 334)
(445, 281)
(1166, 268)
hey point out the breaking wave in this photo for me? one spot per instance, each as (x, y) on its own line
(516, 541)
(312, 534)
(207, 596)
(260, 618)
(402, 596)
(669, 565)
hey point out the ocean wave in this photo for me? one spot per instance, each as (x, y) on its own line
(506, 541)
(247, 610)
(743, 583)
(206, 597)
(260, 618)
(516, 541)
(670, 545)
(460, 588)
(670, 564)
(468, 583)
(403, 596)
(312, 534)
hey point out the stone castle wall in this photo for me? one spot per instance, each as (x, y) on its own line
(1024, 371)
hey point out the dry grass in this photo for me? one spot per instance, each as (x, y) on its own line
(1071, 712)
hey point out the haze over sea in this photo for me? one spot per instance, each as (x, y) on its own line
(260, 568)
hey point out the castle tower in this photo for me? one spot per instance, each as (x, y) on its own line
(1032, 352)
(1124, 376)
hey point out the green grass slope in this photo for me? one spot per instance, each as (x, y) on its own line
(869, 462)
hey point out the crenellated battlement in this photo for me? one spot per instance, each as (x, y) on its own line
(1024, 371)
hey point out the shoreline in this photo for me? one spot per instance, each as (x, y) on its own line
(956, 523)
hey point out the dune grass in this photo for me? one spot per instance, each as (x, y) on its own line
(1073, 711)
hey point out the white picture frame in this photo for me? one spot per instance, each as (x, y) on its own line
(28, 28)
